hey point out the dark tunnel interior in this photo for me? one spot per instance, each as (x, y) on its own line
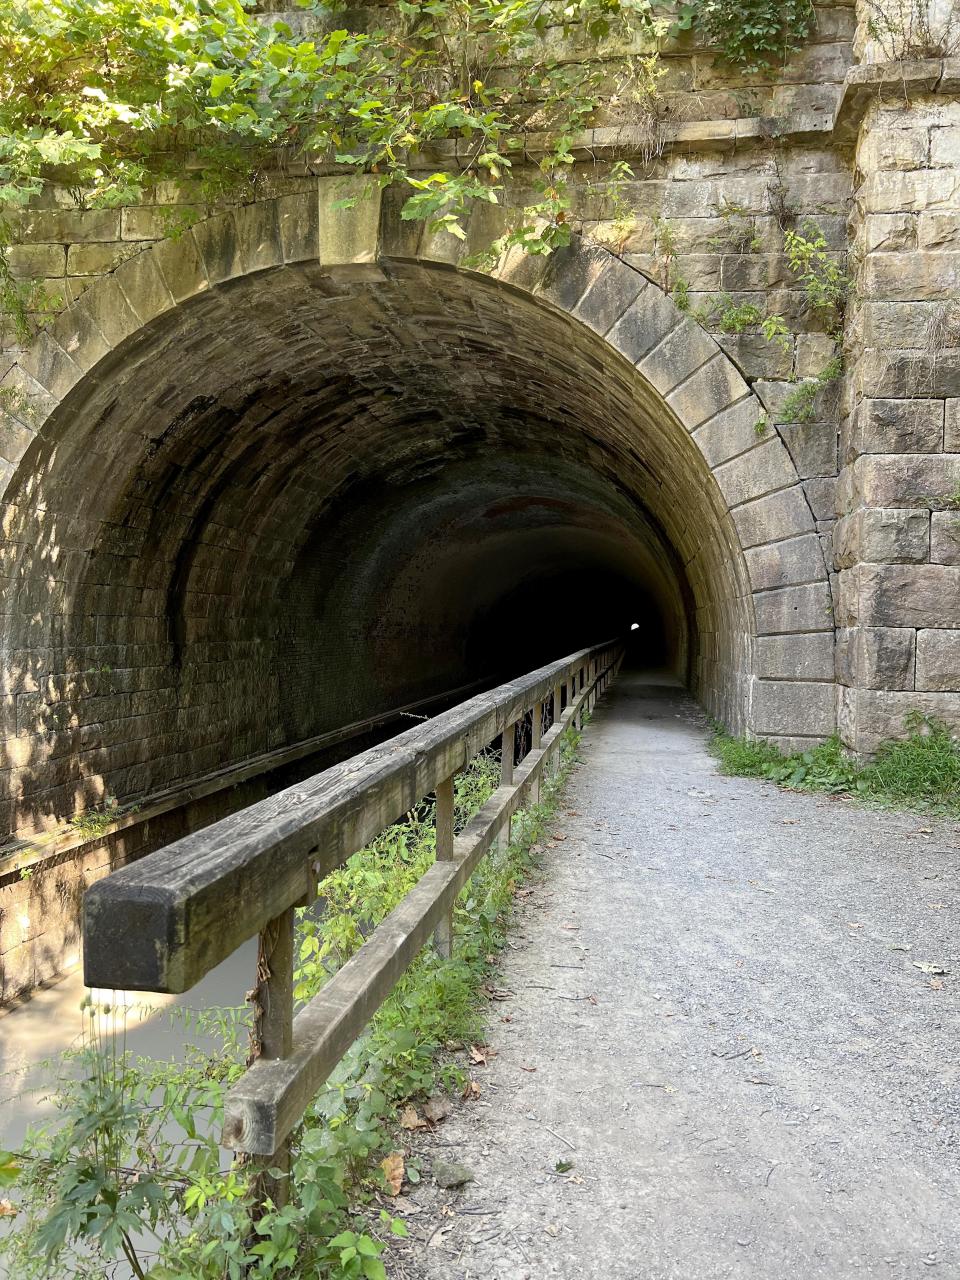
(302, 499)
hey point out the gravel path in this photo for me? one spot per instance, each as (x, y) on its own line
(720, 1020)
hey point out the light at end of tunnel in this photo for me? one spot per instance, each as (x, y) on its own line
(634, 626)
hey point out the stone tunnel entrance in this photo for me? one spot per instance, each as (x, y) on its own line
(309, 493)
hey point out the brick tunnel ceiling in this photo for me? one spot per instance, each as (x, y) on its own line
(302, 498)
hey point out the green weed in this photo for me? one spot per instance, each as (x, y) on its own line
(801, 403)
(824, 282)
(128, 1177)
(94, 822)
(681, 294)
(921, 770)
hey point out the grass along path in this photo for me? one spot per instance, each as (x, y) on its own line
(920, 771)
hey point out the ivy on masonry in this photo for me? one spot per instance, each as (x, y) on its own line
(755, 35)
(110, 97)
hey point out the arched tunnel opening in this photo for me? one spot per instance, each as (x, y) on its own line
(305, 496)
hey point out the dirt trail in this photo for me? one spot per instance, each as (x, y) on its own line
(719, 1023)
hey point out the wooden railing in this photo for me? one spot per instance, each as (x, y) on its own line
(163, 922)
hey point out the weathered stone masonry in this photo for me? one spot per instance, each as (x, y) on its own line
(298, 464)
(897, 547)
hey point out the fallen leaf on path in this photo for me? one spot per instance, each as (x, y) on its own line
(471, 1090)
(926, 967)
(410, 1120)
(936, 984)
(573, 813)
(437, 1108)
(567, 925)
(555, 836)
(8, 1209)
(392, 1167)
(523, 1068)
(552, 1229)
(481, 1054)
(852, 925)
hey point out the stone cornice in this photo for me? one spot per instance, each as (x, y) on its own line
(896, 80)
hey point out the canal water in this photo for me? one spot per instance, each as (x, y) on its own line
(35, 1033)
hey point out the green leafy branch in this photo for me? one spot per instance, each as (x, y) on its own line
(111, 97)
(755, 35)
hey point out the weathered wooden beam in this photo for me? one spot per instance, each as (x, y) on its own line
(273, 1020)
(272, 1038)
(268, 1101)
(166, 920)
(20, 854)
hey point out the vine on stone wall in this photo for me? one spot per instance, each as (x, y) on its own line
(109, 98)
(914, 28)
(755, 35)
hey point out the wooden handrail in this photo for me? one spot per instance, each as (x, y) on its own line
(163, 922)
(17, 855)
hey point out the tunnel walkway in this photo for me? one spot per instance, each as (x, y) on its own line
(719, 1022)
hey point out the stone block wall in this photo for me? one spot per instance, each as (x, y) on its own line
(896, 543)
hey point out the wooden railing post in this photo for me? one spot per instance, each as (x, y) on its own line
(508, 743)
(443, 938)
(536, 737)
(557, 713)
(272, 1035)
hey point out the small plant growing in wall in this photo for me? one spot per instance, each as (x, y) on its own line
(755, 35)
(800, 404)
(914, 28)
(681, 295)
(823, 279)
(96, 822)
(825, 287)
(739, 235)
(738, 317)
(623, 223)
(666, 248)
